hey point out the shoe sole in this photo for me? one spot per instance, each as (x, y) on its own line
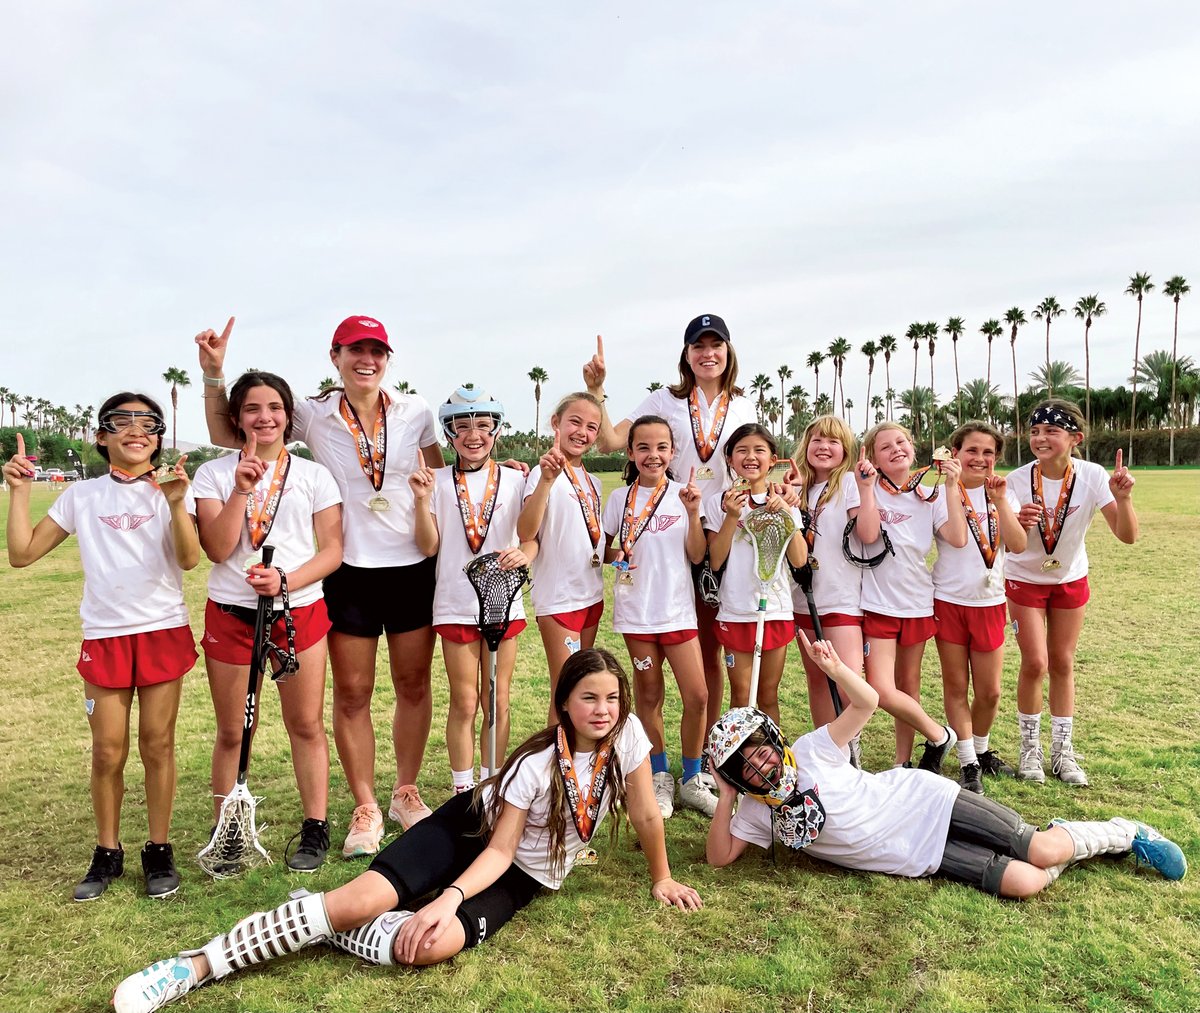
(160, 896)
(1038, 778)
(360, 852)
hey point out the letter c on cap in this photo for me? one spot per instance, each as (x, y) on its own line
(704, 321)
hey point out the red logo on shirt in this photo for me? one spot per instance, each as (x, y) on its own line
(127, 522)
(892, 516)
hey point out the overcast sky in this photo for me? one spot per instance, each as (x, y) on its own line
(500, 182)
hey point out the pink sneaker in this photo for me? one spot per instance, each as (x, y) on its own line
(366, 831)
(407, 809)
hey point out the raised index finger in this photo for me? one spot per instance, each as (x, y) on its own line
(692, 475)
(599, 348)
(20, 444)
(1120, 458)
(862, 452)
(251, 445)
(228, 328)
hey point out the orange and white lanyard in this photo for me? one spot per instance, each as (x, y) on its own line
(631, 531)
(585, 809)
(706, 444)
(589, 503)
(260, 509)
(1051, 536)
(476, 527)
(372, 453)
(911, 484)
(989, 545)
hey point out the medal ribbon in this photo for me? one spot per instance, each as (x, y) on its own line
(589, 503)
(127, 477)
(1050, 538)
(810, 518)
(705, 445)
(991, 545)
(631, 531)
(372, 453)
(585, 809)
(476, 528)
(261, 510)
(911, 484)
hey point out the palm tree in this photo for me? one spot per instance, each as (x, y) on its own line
(823, 404)
(954, 327)
(176, 378)
(652, 387)
(978, 398)
(1176, 288)
(29, 401)
(1015, 317)
(14, 399)
(1138, 286)
(784, 373)
(931, 333)
(814, 363)
(870, 349)
(914, 334)
(1047, 310)
(887, 345)
(921, 405)
(772, 410)
(876, 404)
(839, 348)
(1060, 374)
(761, 385)
(991, 329)
(1088, 307)
(539, 376)
(328, 383)
(402, 387)
(4, 393)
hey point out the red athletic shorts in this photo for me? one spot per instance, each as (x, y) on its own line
(230, 639)
(137, 659)
(1049, 596)
(740, 636)
(804, 620)
(580, 619)
(461, 633)
(906, 631)
(664, 639)
(975, 627)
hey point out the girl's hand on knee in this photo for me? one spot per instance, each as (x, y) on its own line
(667, 891)
(425, 928)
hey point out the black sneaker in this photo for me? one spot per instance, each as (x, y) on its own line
(933, 756)
(310, 852)
(993, 765)
(971, 778)
(158, 866)
(107, 864)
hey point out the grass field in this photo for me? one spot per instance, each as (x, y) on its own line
(784, 934)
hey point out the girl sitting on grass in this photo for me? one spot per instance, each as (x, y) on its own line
(489, 852)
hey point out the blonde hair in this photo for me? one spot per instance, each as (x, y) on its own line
(883, 427)
(831, 427)
(570, 399)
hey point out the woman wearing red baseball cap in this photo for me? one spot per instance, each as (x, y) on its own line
(371, 440)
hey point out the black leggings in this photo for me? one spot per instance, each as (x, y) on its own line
(437, 850)
(983, 837)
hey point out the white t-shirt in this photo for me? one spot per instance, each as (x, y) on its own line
(1091, 493)
(660, 599)
(739, 585)
(528, 787)
(837, 583)
(309, 489)
(895, 821)
(675, 410)
(372, 538)
(131, 582)
(454, 600)
(564, 579)
(960, 575)
(901, 586)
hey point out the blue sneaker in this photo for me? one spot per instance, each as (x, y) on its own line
(1152, 849)
(155, 986)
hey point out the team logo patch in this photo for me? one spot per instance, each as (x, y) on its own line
(641, 664)
(84, 656)
(660, 522)
(367, 323)
(892, 516)
(126, 521)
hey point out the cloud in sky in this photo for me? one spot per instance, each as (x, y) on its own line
(498, 184)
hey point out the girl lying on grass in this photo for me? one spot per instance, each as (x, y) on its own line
(902, 821)
(488, 852)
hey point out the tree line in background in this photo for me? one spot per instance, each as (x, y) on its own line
(1169, 387)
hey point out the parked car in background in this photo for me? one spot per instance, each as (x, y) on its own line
(71, 475)
(55, 475)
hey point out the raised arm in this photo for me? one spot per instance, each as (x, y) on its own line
(26, 544)
(1120, 515)
(212, 347)
(862, 698)
(612, 438)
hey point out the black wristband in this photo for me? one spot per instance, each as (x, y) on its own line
(452, 886)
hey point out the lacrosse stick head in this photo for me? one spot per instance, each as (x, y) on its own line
(234, 844)
(770, 530)
(496, 590)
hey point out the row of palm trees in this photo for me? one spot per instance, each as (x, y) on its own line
(926, 334)
(45, 416)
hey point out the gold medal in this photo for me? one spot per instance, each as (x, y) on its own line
(595, 559)
(379, 504)
(625, 578)
(1051, 564)
(166, 473)
(993, 582)
(814, 564)
(704, 473)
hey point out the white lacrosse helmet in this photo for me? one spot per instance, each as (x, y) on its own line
(465, 403)
(725, 742)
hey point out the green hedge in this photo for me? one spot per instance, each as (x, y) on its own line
(1150, 447)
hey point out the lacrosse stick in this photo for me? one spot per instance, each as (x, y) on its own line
(770, 531)
(496, 590)
(804, 577)
(234, 844)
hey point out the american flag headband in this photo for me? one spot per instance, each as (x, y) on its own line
(1052, 416)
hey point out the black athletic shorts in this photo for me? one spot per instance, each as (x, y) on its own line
(983, 837)
(433, 853)
(367, 601)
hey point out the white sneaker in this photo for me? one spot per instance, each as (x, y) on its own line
(1064, 765)
(1030, 765)
(155, 986)
(664, 793)
(366, 831)
(695, 795)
